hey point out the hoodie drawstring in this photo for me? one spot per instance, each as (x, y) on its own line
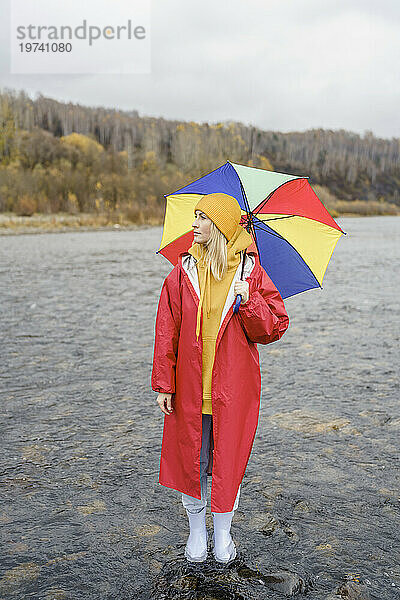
(205, 291)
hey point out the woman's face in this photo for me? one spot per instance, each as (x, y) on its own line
(201, 227)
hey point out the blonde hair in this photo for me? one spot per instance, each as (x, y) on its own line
(213, 252)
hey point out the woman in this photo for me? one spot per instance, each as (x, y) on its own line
(209, 385)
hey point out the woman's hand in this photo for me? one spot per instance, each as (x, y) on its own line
(165, 403)
(242, 288)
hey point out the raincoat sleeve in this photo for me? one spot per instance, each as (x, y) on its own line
(167, 327)
(263, 317)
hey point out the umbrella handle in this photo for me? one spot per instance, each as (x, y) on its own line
(237, 304)
(239, 297)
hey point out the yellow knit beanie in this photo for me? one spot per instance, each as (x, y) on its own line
(223, 210)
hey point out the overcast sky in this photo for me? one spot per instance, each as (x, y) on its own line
(286, 65)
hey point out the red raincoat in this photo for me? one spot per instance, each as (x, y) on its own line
(236, 377)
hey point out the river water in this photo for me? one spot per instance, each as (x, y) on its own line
(82, 514)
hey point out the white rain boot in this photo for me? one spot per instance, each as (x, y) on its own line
(196, 546)
(224, 549)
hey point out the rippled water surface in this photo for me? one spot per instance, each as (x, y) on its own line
(82, 514)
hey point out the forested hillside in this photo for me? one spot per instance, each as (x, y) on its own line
(58, 156)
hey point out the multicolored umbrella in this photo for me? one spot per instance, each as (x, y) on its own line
(293, 233)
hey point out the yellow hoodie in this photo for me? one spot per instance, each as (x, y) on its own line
(214, 293)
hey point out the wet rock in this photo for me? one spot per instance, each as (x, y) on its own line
(326, 548)
(308, 421)
(353, 591)
(212, 580)
(66, 557)
(148, 530)
(186, 582)
(95, 506)
(268, 524)
(34, 453)
(271, 525)
(55, 594)
(20, 575)
(378, 417)
(283, 581)
(302, 505)
(18, 547)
